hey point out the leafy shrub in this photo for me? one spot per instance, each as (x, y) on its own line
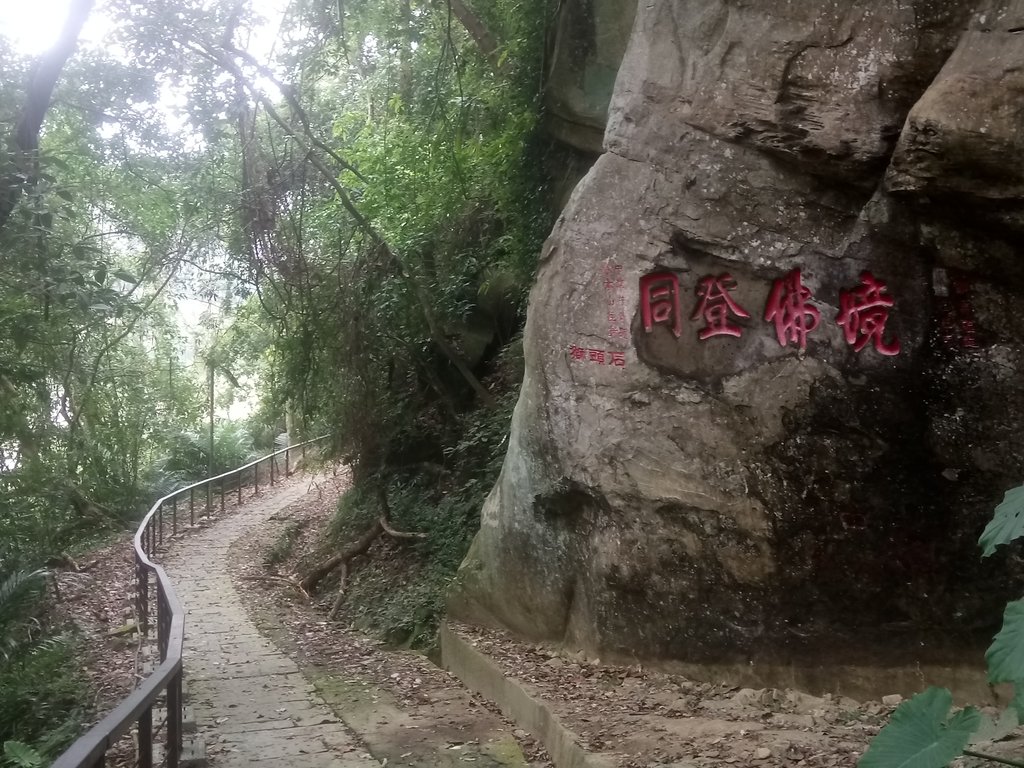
(41, 708)
(921, 733)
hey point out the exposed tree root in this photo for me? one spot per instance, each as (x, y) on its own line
(344, 559)
(320, 572)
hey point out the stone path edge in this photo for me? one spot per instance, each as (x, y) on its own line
(480, 674)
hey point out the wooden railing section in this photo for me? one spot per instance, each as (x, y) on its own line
(166, 680)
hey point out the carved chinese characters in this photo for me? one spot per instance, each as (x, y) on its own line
(615, 300)
(863, 313)
(716, 306)
(600, 356)
(659, 302)
(789, 309)
(863, 310)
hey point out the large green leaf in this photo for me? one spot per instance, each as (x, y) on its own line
(1018, 701)
(919, 734)
(22, 755)
(1007, 524)
(1005, 657)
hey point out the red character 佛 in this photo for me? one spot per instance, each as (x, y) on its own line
(863, 313)
(659, 302)
(716, 306)
(789, 309)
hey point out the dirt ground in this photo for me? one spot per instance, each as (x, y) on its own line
(635, 717)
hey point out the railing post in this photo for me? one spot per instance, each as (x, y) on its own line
(146, 738)
(174, 515)
(209, 504)
(192, 506)
(160, 519)
(223, 482)
(286, 470)
(273, 463)
(142, 595)
(238, 484)
(256, 477)
(174, 718)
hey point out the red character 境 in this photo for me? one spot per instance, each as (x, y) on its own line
(716, 305)
(659, 302)
(789, 309)
(863, 313)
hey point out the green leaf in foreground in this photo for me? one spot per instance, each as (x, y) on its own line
(919, 734)
(1005, 657)
(22, 755)
(1018, 701)
(1006, 524)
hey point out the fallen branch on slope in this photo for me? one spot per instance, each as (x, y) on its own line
(320, 572)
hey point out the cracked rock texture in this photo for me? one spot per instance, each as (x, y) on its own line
(734, 499)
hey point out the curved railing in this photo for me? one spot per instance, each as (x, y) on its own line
(91, 748)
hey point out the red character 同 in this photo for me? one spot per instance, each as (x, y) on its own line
(863, 313)
(659, 302)
(789, 309)
(716, 305)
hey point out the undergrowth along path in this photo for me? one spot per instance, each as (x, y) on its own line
(252, 704)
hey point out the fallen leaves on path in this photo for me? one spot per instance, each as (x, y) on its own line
(417, 685)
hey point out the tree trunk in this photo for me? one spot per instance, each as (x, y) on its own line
(481, 35)
(37, 103)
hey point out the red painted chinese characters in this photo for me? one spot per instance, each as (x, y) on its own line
(863, 313)
(600, 356)
(715, 306)
(659, 302)
(789, 309)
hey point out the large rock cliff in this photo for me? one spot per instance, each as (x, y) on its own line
(774, 350)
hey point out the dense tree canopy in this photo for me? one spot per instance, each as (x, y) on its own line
(354, 193)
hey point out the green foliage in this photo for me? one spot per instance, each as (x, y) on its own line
(41, 708)
(20, 592)
(1007, 524)
(402, 598)
(43, 705)
(21, 755)
(189, 455)
(921, 733)
(1005, 657)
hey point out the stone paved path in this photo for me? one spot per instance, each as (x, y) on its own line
(251, 702)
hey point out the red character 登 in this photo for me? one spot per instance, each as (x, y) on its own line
(716, 305)
(659, 302)
(789, 309)
(863, 313)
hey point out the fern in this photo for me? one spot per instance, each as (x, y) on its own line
(19, 595)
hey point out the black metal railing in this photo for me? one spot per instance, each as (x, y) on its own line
(137, 709)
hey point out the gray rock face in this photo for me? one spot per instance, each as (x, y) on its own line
(590, 39)
(774, 350)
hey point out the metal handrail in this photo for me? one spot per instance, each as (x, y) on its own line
(90, 750)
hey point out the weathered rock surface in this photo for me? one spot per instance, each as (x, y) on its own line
(738, 497)
(590, 39)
